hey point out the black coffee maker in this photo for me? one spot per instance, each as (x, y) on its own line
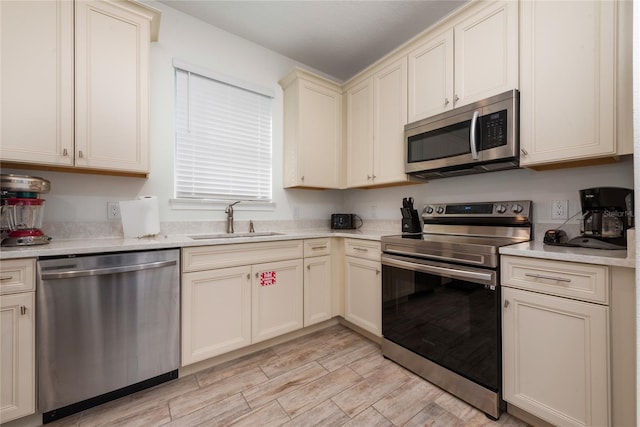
(607, 214)
(410, 217)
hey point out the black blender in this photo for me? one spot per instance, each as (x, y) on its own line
(22, 209)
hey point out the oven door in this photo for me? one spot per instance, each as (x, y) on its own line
(446, 313)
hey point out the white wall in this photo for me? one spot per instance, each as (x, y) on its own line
(82, 198)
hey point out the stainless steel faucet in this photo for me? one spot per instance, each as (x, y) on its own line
(229, 212)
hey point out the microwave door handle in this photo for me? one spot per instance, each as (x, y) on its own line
(472, 139)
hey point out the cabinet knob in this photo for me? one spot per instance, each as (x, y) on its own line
(377, 271)
(302, 178)
(446, 101)
(506, 303)
(368, 176)
(248, 276)
(373, 177)
(308, 266)
(257, 275)
(80, 155)
(65, 153)
(524, 152)
(456, 98)
(23, 310)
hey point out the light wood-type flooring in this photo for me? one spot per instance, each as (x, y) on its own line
(333, 377)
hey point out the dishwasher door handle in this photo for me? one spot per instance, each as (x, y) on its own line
(108, 270)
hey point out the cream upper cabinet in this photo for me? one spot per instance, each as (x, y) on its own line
(80, 70)
(568, 99)
(486, 53)
(483, 45)
(376, 115)
(431, 77)
(17, 339)
(36, 82)
(312, 131)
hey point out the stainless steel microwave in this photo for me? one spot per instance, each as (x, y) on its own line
(475, 138)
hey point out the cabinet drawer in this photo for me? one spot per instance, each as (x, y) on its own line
(219, 256)
(568, 279)
(17, 275)
(317, 247)
(365, 249)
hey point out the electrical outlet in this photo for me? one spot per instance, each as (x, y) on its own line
(113, 210)
(560, 209)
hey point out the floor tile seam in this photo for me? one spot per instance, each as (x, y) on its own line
(298, 386)
(319, 404)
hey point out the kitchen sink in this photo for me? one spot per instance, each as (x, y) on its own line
(233, 235)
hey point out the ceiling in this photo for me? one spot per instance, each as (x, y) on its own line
(338, 38)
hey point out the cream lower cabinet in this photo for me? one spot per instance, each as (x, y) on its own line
(556, 348)
(216, 312)
(317, 281)
(80, 70)
(574, 81)
(17, 339)
(276, 299)
(363, 285)
(239, 294)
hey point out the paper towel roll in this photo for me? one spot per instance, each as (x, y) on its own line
(140, 217)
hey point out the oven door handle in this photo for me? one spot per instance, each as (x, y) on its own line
(450, 272)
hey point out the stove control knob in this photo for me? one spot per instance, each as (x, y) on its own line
(440, 209)
(429, 210)
(501, 209)
(517, 208)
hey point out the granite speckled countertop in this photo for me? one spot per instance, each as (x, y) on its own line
(101, 245)
(536, 249)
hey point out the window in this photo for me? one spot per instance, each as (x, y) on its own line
(223, 138)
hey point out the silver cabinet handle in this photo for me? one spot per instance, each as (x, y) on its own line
(80, 155)
(472, 139)
(456, 98)
(360, 249)
(446, 101)
(23, 310)
(540, 276)
(109, 270)
(524, 152)
(257, 275)
(6, 277)
(377, 272)
(368, 176)
(302, 178)
(373, 177)
(248, 276)
(65, 153)
(506, 303)
(319, 247)
(308, 266)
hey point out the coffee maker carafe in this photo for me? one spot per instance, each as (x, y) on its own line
(607, 213)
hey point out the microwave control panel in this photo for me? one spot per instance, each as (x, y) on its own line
(494, 130)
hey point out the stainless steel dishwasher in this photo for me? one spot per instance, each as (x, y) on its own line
(108, 325)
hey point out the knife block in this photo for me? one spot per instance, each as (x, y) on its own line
(411, 224)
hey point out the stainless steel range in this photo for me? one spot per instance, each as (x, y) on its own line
(441, 297)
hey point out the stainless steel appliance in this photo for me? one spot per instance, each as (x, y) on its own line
(441, 297)
(22, 209)
(607, 213)
(476, 138)
(108, 325)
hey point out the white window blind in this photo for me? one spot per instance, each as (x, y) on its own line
(223, 140)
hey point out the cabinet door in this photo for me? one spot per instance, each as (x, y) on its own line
(555, 358)
(363, 294)
(486, 53)
(317, 289)
(360, 134)
(36, 82)
(431, 77)
(216, 312)
(567, 93)
(112, 93)
(320, 135)
(390, 116)
(276, 299)
(17, 354)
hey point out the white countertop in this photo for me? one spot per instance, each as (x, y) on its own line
(93, 245)
(536, 249)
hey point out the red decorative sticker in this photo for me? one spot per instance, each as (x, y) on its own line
(267, 278)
